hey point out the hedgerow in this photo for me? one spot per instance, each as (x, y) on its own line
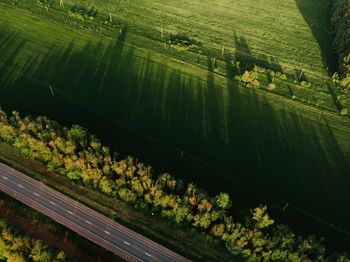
(182, 42)
(78, 155)
(260, 77)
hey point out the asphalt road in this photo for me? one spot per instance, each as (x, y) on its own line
(118, 239)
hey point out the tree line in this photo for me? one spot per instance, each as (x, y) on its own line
(15, 247)
(75, 153)
(340, 22)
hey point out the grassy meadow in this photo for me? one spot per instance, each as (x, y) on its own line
(287, 36)
(274, 33)
(154, 103)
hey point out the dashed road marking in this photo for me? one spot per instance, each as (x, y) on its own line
(148, 254)
(70, 212)
(88, 222)
(127, 243)
(20, 186)
(107, 232)
(52, 203)
(36, 194)
(4, 177)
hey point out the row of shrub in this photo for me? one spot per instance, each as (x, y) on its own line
(78, 155)
(19, 248)
(260, 76)
(341, 23)
(81, 13)
(182, 42)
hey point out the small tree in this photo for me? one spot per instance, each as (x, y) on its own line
(223, 201)
(77, 134)
(261, 218)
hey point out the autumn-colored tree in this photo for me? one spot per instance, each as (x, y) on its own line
(16, 247)
(74, 153)
(223, 201)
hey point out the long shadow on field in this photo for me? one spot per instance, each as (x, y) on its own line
(10, 48)
(247, 59)
(317, 15)
(292, 158)
(133, 103)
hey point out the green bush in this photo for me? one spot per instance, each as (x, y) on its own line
(182, 42)
(305, 84)
(249, 79)
(81, 13)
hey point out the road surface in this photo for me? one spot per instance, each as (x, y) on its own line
(116, 238)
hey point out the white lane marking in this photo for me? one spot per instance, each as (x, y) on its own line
(70, 212)
(88, 222)
(127, 243)
(20, 186)
(148, 254)
(90, 214)
(107, 232)
(36, 194)
(4, 177)
(52, 203)
(89, 232)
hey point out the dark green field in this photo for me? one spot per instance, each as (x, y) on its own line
(258, 146)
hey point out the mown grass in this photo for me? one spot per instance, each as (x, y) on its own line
(147, 102)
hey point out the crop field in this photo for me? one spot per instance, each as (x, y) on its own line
(179, 111)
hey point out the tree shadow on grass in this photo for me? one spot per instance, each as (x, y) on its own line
(317, 15)
(10, 48)
(244, 55)
(281, 155)
(290, 159)
(152, 111)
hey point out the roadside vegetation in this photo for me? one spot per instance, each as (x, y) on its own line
(34, 225)
(78, 155)
(16, 247)
(182, 239)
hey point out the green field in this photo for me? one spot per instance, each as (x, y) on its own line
(275, 33)
(152, 102)
(282, 33)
